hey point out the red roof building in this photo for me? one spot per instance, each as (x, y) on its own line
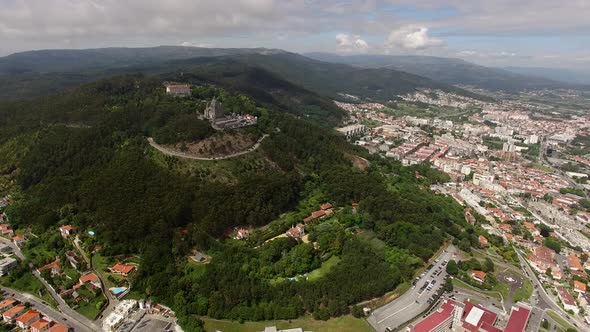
(439, 320)
(7, 304)
(54, 266)
(479, 276)
(10, 314)
(58, 328)
(91, 278)
(40, 326)
(483, 242)
(579, 287)
(574, 263)
(25, 320)
(474, 316)
(518, 319)
(123, 269)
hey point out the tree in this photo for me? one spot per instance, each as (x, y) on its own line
(552, 244)
(452, 268)
(488, 265)
(545, 324)
(448, 285)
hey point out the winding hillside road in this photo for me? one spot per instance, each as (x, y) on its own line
(174, 153)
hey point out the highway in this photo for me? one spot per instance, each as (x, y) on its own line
(414, 301)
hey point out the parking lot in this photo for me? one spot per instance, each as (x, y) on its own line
(416, 300)
(148, 324)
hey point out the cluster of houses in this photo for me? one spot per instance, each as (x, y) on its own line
(297, 232)
(469, 317)
(570, 283)
(26, 319)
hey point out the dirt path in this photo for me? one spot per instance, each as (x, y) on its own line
(174, 153)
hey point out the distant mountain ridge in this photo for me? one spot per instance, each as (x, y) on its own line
(451, 71)
(558, 74)
(42, 72)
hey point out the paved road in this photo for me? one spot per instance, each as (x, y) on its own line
(414, 301)
(46, 310)
(170, 152)
(62, 306)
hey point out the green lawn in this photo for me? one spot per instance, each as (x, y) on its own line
(340, 324)
(89, 310)
(523, 293)
(326, 266)
(27, 283)
(458, 283)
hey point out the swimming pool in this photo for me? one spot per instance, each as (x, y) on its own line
(117, 290)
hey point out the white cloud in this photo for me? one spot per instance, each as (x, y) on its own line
(351, 43)
(412, 37)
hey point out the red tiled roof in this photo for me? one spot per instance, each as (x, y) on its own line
(326, 206)
(436, 318)
(123, 268)
(574, 263)
(14, 310)
(478, 274)
(18, 237)
(7, 302)
(40, 324)
(580, 286)
(89, 277)
(58, 328)
(27, 316)
(55, 265)
(518, 319)
(67, 227)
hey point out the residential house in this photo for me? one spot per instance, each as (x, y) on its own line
(242, 234)
(10, 315)
(19, 240)
(25, 320)
(122, 269)
(90, 278)
(483, 242)
(66, 230)
(41, 325)
(54, 266)
(7, 304)
(568, 301)
(478, 276)
(542, 258)
(557, 276)
(574, 263)
(579, 287)
(59, 328)
(5, 230)
(296, 232)
(532, 228)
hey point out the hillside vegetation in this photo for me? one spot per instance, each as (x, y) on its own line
(86, 162)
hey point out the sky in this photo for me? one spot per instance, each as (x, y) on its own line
(536, 33)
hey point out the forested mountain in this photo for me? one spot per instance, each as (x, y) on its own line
(45, 72)
(81, 157)
(452, 71)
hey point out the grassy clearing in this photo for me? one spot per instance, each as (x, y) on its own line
(90, 309)
(524, 292)
(458, 283)
(340, 324)
(325, 268)
(27, 283)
